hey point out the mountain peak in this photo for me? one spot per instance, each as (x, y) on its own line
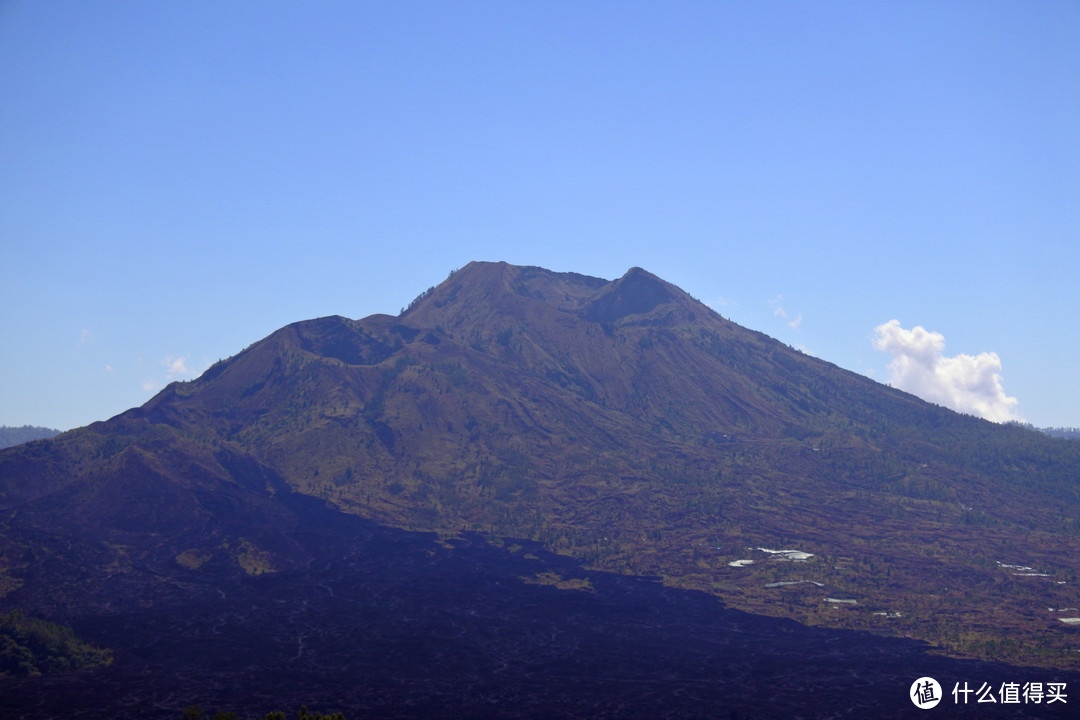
(525, 290)
(638, 292)
(501, 288)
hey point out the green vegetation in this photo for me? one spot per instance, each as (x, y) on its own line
(554, 579)
(31, 646)
(253, 560)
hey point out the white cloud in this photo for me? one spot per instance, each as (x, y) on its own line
(966, 383)
(780, 312)
(85, 336)
(177, 366)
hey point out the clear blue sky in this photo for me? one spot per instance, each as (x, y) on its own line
(180, 179)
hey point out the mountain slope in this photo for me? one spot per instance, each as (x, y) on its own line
(622, 423)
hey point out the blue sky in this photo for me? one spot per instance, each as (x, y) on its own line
(180, 179)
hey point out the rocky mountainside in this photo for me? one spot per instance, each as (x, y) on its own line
(621, 424)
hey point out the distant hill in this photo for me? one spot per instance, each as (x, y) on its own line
(520, 444)
(10, 436)
(1070, 433)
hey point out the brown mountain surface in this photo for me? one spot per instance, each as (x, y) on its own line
(622, 424)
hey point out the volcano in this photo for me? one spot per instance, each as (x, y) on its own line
(540, 494)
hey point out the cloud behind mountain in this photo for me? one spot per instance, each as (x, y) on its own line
(965, 383)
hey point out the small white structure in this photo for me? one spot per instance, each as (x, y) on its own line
(788, 554)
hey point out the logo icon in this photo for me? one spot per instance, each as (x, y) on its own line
(925, 693)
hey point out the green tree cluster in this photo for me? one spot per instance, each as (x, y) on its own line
(31, 646)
